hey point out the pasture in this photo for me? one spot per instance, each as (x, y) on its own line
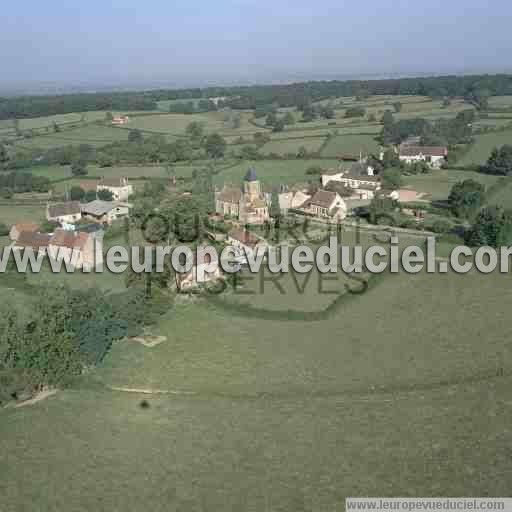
(93, 134)
(279, 415)
(439, 182)
(480, 151)
(350, 145)
(292, 146)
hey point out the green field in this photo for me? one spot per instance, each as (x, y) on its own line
(284, 147)
(12, 212)
(282, 415)
(500, 101)
(350, 145)
(481, 150)
(93, 135)
(439, 182)
(274, 172)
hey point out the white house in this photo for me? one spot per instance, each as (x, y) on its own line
(105, 212)
(326, 204)
(435, 156)
(359, 178)
(120, 120)
(64, 213)
(120, 188)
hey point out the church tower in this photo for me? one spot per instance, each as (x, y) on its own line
(252, 187)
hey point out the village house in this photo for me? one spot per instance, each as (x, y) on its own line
(326, 204)
(105, 212)
(38, 242)
(250, 205)
(63, 243)
(120, 120)
(291, 199)
(120, 188)
(16, 229)
(64, 213)
(249, 244)
(360, 179)
(435, 156)
(201, 264)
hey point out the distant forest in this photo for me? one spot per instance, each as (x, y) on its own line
(475, 88)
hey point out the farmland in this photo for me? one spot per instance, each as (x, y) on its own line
(439, 182)
(350, 145)
(271, 398)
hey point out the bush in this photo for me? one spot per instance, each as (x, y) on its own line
(441, 226)
(4, 229)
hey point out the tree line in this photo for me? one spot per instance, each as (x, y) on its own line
(474, 88)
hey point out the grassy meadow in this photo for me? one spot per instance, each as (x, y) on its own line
(480, 151)
(274, 172)
(439, 182)
(255, 413)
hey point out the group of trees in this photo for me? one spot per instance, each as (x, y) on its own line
(492, 227)
(500, 161)
(18, 182)
(439, 132)
(466, 198)
(60, 334)
(191, 107)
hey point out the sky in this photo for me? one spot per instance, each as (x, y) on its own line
(178, 43)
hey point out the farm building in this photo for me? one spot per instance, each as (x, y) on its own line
(359, 178)
(435, 156)
(17, 229)
(105, 212)
(120, 120)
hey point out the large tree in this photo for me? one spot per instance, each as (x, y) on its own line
(466, 198)
(215, 145)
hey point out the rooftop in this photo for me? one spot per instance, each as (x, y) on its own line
(99, 208)
(61, 209)
(251, 175)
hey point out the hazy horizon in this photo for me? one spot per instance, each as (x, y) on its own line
(128, 45)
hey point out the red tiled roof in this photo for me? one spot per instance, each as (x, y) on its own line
(28, 227)
(69, 239)
(32, 239)
(244, 236)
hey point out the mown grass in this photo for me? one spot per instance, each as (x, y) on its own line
(350, 145)
(414, 374)
(439, 182)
